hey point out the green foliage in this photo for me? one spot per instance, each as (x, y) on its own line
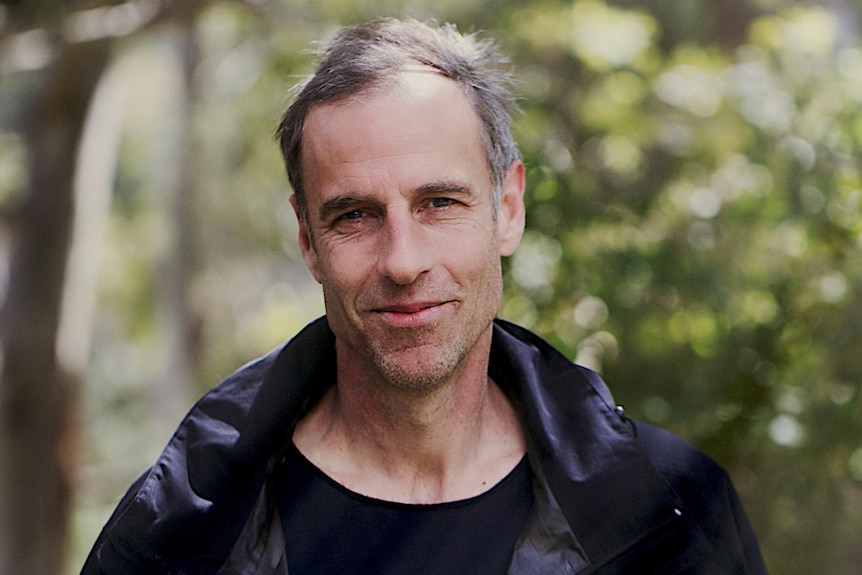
(695, 235)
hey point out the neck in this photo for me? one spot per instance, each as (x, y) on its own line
(447, 442)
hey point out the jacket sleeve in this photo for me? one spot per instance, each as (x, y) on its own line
(97, 561)
(708, 493)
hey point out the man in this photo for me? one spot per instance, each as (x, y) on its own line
(409, 431)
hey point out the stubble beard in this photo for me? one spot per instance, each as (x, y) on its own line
(423, 369)
(415, 361)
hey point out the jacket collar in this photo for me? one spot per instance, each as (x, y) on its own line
(583, 446)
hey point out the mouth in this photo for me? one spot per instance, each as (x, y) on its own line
(412, 314)
(414, 307)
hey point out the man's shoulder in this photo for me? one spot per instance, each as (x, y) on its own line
(674, 456)
(188, 509)
(583, 392)
(708, 492)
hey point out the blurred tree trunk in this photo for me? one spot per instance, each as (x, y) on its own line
(36, 395)
(731, 20)
(182, 260)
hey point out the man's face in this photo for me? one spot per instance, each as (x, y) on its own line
(401, 230)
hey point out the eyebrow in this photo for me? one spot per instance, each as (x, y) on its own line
(337, 205)
(443, 187)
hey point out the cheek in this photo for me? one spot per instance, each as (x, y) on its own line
(481, 267)
(342, 272)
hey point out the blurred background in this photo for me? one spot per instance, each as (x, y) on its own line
(694, 234)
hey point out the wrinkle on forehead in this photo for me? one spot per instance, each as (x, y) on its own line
(424, 85)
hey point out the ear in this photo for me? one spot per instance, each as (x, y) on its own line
(306, 243)
(511, 214)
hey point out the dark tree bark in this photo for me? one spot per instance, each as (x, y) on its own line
(36, 397)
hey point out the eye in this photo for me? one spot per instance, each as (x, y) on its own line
(352, 215)
(441, 202)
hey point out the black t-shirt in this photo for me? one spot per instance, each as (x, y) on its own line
(331, 530)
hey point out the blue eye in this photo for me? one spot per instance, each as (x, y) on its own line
(352, 215)
(441, 202)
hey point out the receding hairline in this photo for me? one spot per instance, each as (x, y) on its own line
(392, 81)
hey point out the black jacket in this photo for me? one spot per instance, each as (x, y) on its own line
(611, 495)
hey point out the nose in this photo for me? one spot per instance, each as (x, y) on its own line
(404, 253)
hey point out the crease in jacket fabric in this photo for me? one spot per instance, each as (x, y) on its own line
(611, 495)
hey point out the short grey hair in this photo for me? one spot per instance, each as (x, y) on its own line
(371, 55)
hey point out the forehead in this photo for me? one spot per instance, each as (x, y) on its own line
(418, 88)
(422, 115)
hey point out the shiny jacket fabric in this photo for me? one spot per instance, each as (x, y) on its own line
(611, 495)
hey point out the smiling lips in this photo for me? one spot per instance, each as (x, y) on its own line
(411, 315)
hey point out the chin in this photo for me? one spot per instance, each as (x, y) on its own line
(411, 373)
